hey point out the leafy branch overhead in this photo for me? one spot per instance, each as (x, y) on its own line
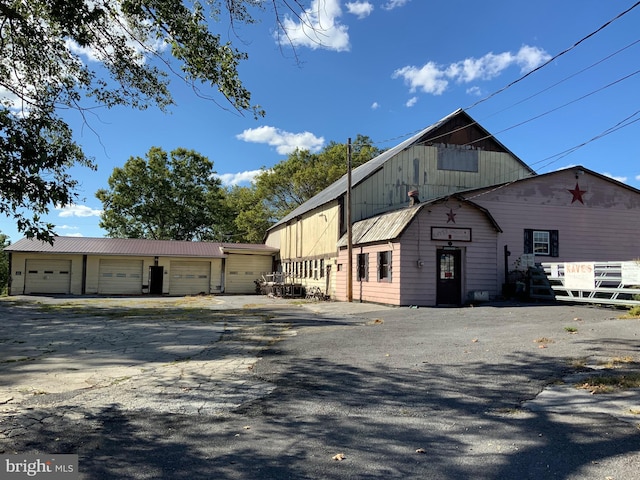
(60, 55)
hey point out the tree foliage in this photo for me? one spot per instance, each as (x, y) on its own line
(279, 190)
(76, 54)
(249, 217)
(295, 180)
(4, 263)
(165, 197)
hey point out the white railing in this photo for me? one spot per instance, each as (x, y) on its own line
(614, 283)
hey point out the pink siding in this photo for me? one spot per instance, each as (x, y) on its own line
(605, 228)
(371, 290)
(478, 256)
(416, 285)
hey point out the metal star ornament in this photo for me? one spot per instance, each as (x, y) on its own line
(451, 217)
(577, 194)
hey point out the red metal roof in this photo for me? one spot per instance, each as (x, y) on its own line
(134, 247)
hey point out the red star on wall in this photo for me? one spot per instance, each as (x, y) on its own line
(451, 217)
(577, 194)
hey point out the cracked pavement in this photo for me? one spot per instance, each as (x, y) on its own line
(254, 387)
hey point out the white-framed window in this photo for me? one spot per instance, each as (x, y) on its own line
(541, 242)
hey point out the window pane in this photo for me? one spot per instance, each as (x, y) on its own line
(541, 242)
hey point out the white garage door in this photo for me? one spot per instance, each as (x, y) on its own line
(48, 276)
(189, 278)
(244, 270)
(120, 277)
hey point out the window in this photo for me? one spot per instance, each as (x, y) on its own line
(322, 268)
(384, 266)
(541, 242)
(363, 267)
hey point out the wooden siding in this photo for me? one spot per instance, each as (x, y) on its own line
(414, 260)
(417, 168)
(604, 228)
(313, 236)
(478, 256)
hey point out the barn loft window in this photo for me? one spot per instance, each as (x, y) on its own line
(541, 242)
(458, 159)
(384, 266)
(363, 267)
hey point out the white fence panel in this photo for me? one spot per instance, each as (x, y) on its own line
(611, 283)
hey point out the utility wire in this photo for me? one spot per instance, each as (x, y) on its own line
(509, 85)
(555, 57)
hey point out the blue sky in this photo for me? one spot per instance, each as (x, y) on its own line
(386, 69)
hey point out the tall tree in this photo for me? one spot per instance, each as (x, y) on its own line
(250, 217)
(302, 175)
(165, 197)
(43, 45)
(4, 263)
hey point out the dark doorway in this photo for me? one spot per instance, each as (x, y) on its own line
(449, 283)
(155, 280)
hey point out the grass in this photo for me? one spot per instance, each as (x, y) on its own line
(610, 383)
(571, 329)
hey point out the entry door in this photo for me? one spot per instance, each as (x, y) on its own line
(449, 284)
(156, 274)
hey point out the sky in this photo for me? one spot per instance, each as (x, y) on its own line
(555, 82)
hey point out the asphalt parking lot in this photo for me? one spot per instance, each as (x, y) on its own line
(256, 387)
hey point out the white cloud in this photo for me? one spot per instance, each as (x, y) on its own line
(317, 27)
(411, 102)
(66, 227)
(434, 79)
(231, 179)
(474, 91)
(145, 42)
(285, 142)
(391, 4)
(78, 211)
(359, 9)
(429, 78)
(638, 177)
(620, 179)
(375, 106)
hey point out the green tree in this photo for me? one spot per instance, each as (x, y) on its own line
(250, 218)
(165, 197)
(302, 175)
(137, 45)
(4, 263)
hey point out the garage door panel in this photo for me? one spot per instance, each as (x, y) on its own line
(189, 278)
(120, 277)
(48, 276)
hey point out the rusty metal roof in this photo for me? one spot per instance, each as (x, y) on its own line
(389, 226)
(385, 227)
(134, 247)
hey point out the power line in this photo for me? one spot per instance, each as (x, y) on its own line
(509, 85)
(555, 57)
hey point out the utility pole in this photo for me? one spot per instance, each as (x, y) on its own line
(349, 233)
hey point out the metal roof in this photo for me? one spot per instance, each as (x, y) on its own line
(134, 247)
(389, 226)
(364, 171)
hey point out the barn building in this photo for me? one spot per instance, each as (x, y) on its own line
(442, 218)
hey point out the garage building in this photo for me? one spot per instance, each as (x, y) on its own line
(115, 266)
